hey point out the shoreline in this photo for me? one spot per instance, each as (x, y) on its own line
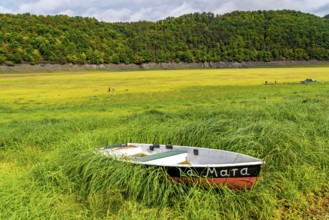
(17, 68)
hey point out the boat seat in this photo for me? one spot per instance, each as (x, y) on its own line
(161, 155)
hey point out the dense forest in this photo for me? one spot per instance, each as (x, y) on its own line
(199, 37)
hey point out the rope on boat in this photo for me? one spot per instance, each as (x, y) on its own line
(237, 157)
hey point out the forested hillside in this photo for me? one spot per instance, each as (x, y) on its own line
(198, 37)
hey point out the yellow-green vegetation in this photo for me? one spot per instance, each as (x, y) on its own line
(51, 123)
(58, 88)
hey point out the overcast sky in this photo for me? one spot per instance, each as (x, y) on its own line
(153, 10)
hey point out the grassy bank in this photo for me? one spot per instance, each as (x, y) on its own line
(52, 122)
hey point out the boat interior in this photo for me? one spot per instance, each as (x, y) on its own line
(154, 154)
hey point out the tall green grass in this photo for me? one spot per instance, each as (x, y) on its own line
(49, 168)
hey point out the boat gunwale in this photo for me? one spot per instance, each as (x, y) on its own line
(229, 165)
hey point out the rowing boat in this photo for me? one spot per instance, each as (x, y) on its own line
(185, 163)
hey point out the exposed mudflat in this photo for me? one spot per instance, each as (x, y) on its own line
(153, 66)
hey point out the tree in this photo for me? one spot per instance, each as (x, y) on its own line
(198, 37)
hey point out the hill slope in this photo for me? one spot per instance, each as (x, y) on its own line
(237, 36)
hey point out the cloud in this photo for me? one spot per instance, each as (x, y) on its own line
(46, 6)
(139, 15)
(152, 10)
(324, 10)
(299, 5)
(109, 15)
(4, 10)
